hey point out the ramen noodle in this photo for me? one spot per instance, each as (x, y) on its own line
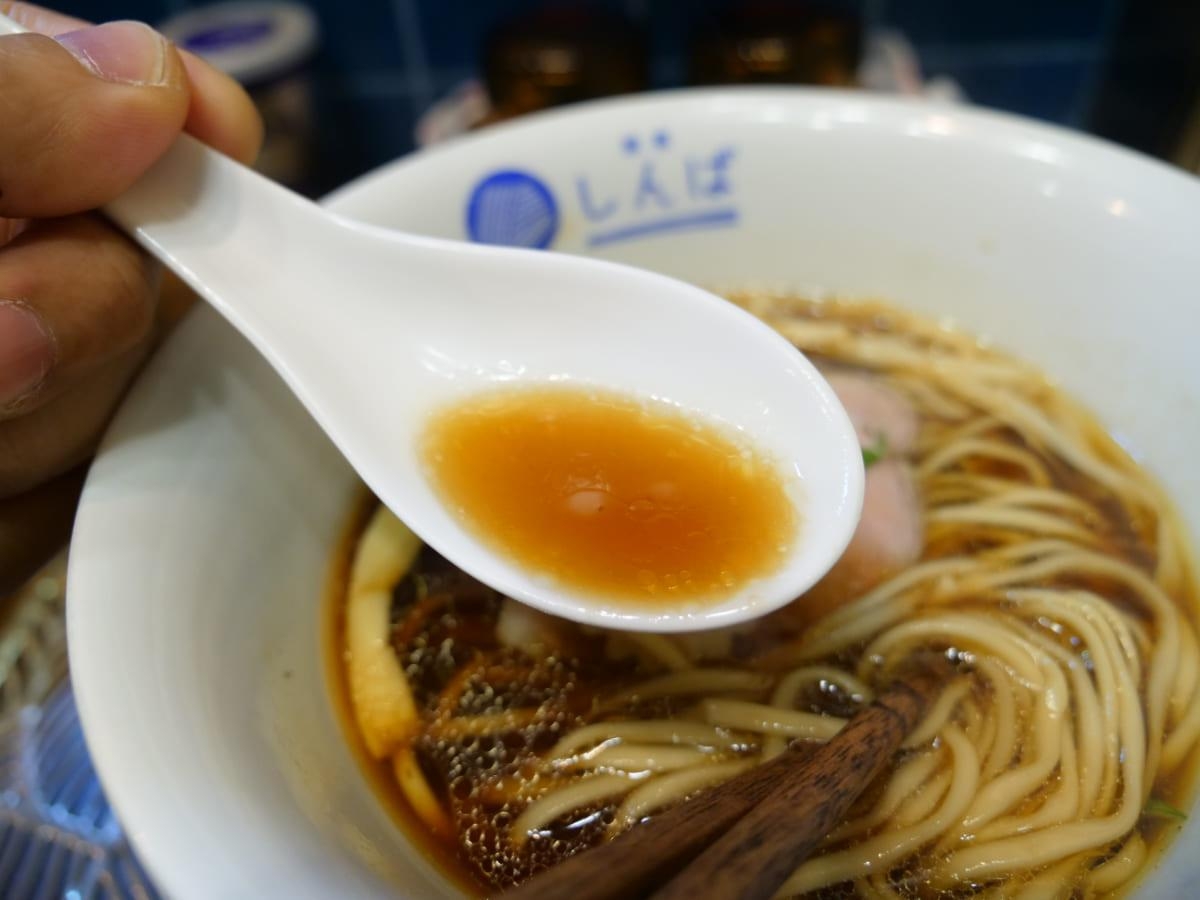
(1003, 528)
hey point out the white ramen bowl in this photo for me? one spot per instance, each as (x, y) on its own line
(209, 520)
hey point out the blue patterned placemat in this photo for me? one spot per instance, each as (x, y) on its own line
(58, 836)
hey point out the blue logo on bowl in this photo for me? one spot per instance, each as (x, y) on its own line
(658, 185)
(512, 208)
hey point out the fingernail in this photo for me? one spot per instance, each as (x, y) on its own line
(125, 52)
(26, 351)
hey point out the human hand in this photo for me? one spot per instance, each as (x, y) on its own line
(83, 112)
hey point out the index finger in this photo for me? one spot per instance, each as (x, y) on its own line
(220, 114)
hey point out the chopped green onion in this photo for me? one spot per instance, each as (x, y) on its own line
(1163, 810)
(876, 451)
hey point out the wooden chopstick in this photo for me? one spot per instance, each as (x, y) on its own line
(756, 856)
(760, 825)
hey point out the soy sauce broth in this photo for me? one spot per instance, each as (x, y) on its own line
(630, 500)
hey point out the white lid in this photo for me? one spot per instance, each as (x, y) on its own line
(253, 42)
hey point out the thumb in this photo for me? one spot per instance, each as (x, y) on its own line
(82, 115)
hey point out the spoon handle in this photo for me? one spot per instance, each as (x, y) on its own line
(208, 218)
(217, 224)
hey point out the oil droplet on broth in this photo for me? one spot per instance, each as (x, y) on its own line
(631, 500)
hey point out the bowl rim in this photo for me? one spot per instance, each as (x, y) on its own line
(986, 119)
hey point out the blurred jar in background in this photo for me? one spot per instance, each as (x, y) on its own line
(560, 55)
(268, 48)
(777, 43)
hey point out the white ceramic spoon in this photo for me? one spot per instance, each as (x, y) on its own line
(375, 329)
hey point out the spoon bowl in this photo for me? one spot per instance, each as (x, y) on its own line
(375, 330)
